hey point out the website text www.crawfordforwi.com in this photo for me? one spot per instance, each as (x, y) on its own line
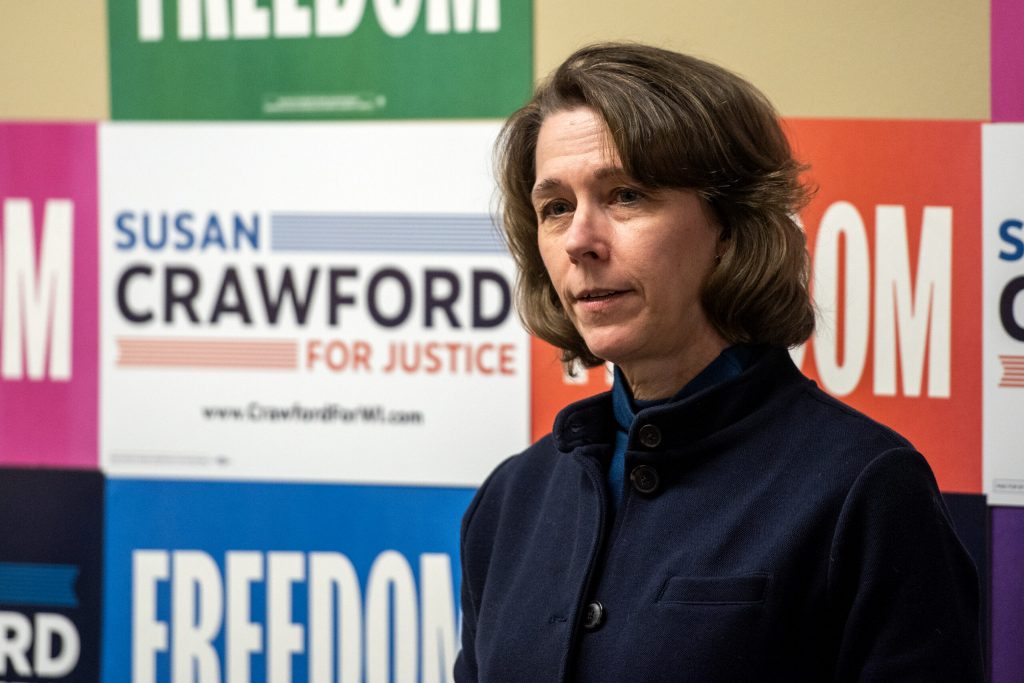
(328, 413)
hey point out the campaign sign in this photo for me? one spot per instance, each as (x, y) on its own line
(48, 288)
(1007, 595)
(894, 237)
(217, 581)
(323, 59)
(50, 575)
(893, 233)
(311, 302)
(1003, 312)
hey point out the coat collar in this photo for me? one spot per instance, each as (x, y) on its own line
(688, 420)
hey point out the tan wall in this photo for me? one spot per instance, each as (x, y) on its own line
(903, 59)
(828, 58)
(53, 59)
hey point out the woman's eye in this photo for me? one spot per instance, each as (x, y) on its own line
(556, 208)
(626, 195)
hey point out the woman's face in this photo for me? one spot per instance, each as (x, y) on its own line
(627, 262)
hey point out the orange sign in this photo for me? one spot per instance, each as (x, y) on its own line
(894, 231)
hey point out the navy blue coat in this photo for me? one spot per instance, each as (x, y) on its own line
(767, 532)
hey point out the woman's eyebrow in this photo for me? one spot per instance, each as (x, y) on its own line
(616, 172)
(545, 186)
(604, 173)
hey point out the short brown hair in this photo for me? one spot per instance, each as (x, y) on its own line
(676, 122)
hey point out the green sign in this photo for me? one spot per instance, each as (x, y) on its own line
(319, 59)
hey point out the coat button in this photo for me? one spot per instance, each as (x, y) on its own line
(645, 478)
(650, 436)
(594, 617)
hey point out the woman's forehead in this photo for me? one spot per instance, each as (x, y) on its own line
(576, 140)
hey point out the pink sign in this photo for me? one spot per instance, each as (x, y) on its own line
(1007, 60)
(48, 295)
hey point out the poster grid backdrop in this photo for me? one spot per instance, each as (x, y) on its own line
(155, 569)
(256, 553)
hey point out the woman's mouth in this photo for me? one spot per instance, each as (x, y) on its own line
(597, 300)
(597, 294)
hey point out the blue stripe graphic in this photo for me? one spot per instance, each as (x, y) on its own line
(401, 232)
(38, 584)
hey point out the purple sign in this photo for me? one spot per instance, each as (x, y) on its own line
(1007, 61)
(1007, 595)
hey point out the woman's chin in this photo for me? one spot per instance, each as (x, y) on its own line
(613, 351)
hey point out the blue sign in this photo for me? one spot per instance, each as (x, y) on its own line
(215, 581)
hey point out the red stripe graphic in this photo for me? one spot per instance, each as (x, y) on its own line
(212, 354)
(1013, 371)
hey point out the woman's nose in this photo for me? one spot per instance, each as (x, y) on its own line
(587, 236)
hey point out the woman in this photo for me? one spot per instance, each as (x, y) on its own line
(715, 517)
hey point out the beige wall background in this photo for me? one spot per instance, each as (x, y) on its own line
(53, 60)
(830, 58)
(869, 58)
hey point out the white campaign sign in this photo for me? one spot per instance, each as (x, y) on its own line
(325, 302)
(1003, 344)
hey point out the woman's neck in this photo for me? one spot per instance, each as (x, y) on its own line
(655, 378)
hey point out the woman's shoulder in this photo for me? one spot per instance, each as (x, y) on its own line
(816, 435)
(825, 414)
